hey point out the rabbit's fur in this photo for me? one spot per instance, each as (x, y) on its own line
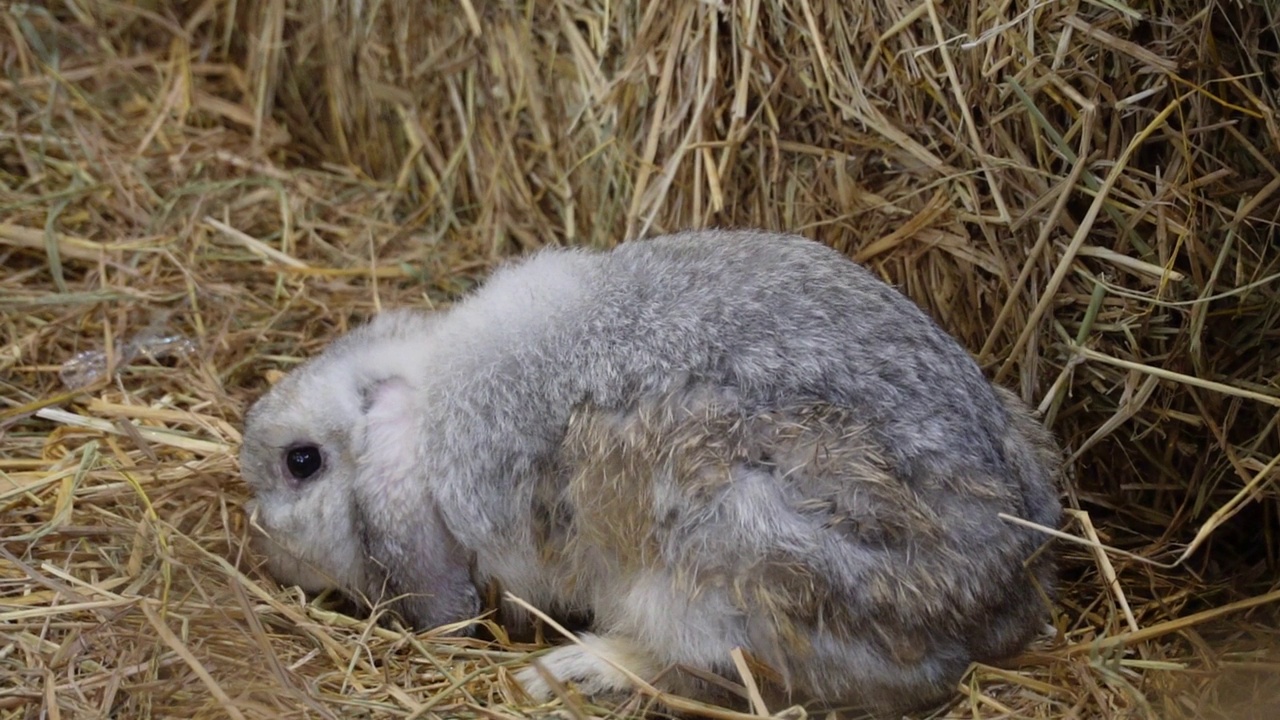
(708, 440)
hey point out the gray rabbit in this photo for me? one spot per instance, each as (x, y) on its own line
(707, 440)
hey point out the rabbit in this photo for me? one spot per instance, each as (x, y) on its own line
(707, 440)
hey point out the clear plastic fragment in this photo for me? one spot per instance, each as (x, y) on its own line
(155, 342)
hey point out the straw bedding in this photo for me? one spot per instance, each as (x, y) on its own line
(205, 193)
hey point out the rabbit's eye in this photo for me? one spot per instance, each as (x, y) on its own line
(303, 461)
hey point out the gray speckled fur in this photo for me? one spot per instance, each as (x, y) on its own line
(466, 468)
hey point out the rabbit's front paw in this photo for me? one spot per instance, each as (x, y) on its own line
(595, 665)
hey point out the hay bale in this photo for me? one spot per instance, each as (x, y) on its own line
(1085, 194)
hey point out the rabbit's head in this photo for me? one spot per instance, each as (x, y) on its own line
(331, 454)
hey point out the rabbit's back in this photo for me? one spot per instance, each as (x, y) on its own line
(783, 319)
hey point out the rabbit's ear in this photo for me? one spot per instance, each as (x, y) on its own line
(412, 560)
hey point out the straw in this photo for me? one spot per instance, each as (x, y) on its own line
(1085, 194)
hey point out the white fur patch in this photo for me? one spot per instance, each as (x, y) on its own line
(518, 304)
(593, 666)
(699, 632)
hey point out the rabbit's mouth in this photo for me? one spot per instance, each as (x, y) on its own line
(290, 568)
(285, 564)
